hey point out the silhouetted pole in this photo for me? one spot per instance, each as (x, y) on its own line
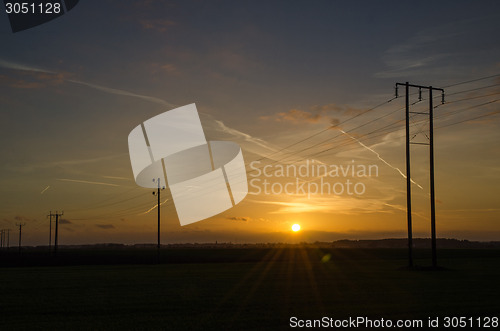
(408, 178)
(158, 206)
(20, 225)
(159, 245)
(431, 161)
(8, 238)
(50, 228)
(56, 235)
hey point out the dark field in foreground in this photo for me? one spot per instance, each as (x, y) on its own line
(243, 288)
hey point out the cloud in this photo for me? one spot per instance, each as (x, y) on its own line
(298, 116)
(65, 221)
(448, 50)
(315, 114)
(19, 83)
(160, 25)
(243, 219)
(169, 68)
(329, 204)
(105, 226)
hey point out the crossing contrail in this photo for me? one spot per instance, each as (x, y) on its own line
(380, 158)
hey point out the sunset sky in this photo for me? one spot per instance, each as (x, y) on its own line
(273, 77)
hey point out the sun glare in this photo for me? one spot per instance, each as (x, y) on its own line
(295, 227)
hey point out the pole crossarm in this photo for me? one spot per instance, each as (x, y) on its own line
(421, 86)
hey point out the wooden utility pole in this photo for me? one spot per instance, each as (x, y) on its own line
(20, 225)
(56, 234)
(157, 193)
(431, 166)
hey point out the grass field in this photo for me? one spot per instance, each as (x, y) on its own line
(246, 289)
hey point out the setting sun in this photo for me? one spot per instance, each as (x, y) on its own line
(295, 227)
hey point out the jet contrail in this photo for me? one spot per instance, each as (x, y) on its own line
(85, 182)
(45, 189)
(122, 92)
(379, 157)
(22, 67)
(152, 208)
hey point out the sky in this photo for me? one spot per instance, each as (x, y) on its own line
(296, 84)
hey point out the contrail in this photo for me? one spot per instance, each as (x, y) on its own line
(114, 177)
(122, 92)
(22, 67)
(45, 189)
(85, 182)
(243, 135)
(379, 157)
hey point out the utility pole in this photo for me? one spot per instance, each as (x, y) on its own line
(158, 207)
(56, 235)
(3, 240)
(50, 228)
(431, 166)
(20, 225)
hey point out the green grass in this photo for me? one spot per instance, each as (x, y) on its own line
(261, 291)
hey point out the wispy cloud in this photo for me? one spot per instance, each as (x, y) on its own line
(443, 50)
(328, 204)
(160, 25)
(105, 226)
(315, 114)
(242, 219)
(85, 182)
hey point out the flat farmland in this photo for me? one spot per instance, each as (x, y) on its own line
(241, 289)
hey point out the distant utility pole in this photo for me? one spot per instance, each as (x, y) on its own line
(158, 195)
(50, 228)
(56, 235)
(431, 162)
(20, 225)
(2, 238)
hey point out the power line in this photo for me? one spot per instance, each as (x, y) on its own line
(472, 81)
(469, 119)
